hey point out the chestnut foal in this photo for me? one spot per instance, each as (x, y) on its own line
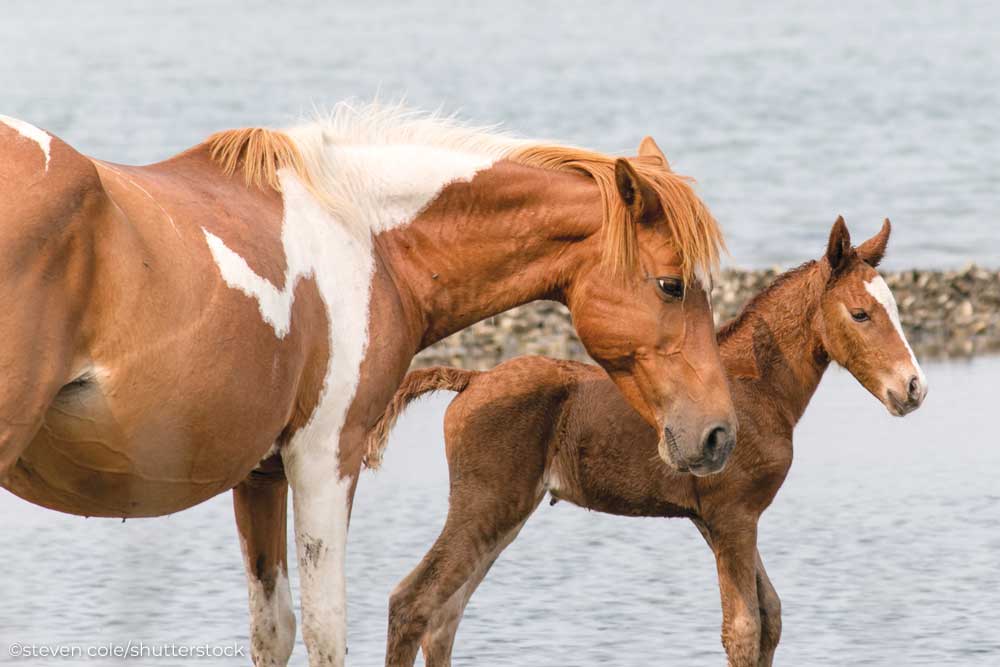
(535, 424)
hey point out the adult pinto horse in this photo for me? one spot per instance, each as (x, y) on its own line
(535, 424)
(238, 317)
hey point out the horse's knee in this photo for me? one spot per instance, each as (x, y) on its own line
(741, 639)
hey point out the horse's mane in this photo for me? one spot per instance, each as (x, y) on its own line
(260, 154)
(759, 301)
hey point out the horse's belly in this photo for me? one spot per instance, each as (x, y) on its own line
(85, 461)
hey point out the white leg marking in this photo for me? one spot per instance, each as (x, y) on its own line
(272, 618)
(29, 131)
(878, 288)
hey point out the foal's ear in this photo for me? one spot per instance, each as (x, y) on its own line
(648, 148)
(638, 195)
(872, 250)
(838, 248)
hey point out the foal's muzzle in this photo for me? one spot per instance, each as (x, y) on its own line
(907, 400)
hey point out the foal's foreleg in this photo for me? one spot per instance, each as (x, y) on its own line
(439, 638)
(321, 502)
(470, 541)
(735, 550)
(261, 514)
(770, 616)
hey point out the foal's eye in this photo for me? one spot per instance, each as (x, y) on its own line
(859, 315)
(671, 287)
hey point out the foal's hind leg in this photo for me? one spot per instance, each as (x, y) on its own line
(439, 638)
(468, 543)
(770, 616)
(261, 505)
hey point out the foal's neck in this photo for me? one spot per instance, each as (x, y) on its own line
(774, 346)
(512, 235)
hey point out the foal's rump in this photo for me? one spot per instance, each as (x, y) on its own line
(414, 385)
(522, 388)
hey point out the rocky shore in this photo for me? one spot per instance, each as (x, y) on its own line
(946, 314)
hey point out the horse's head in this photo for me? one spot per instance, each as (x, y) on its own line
(859, 323)
(644, 314)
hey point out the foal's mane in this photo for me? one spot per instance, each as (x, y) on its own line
(760, 301)
(259, 154)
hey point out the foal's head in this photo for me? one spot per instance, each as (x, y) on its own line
(859, 323)
(644, 314)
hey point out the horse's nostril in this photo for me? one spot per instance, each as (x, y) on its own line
(913, 389)
(716, 442)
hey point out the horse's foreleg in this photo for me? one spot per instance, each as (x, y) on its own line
(261, 504)
(321, 501)
(770, 616)
(735, 550)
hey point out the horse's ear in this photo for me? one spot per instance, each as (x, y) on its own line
(872, 250)
(838, 248)
(638, 195)
(648, 148)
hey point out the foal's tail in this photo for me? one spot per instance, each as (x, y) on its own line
(415, 384)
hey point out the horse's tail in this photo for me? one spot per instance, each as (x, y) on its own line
(415, 384)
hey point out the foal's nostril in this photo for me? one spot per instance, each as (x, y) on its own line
(913, 389)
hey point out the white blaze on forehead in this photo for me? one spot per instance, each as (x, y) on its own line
(878, 288)
(705, 278)
(29, 131)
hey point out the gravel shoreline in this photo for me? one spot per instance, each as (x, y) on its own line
(946, 315)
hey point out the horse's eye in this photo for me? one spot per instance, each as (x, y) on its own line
(859, 315)
(671, 287)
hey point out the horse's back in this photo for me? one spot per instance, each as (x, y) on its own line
(182, 385)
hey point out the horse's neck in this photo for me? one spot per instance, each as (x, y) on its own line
(776, 349)
(511, 235)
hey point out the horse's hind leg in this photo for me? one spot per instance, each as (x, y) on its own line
(261, 508)
(439, 638)
(770, 616)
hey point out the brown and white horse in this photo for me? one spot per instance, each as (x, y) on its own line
(238, 317)
(535, 424)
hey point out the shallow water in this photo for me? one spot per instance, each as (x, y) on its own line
(882, 544)
(788, 114)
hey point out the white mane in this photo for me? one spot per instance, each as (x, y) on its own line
(378, 166)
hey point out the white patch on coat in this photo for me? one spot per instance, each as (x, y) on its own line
(275, 305)
(317, 244)
(32, 133)
(879, 289)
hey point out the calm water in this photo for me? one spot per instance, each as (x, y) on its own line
(884, 543)
(787, 115)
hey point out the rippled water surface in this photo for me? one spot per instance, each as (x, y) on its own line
(884, 543)
(788, 113)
